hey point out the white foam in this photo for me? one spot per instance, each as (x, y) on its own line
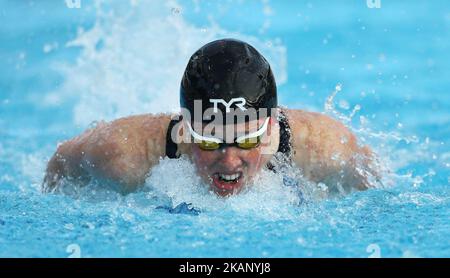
(267, 196)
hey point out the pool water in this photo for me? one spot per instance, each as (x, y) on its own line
(64, 68)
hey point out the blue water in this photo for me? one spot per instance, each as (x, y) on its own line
(61, 69)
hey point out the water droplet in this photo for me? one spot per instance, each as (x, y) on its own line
(344, 104)
(335, 156)
(69, 226)
(127, 216)
(363, 120)
(301, 241)
(47, 48)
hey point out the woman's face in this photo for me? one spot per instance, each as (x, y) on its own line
(229, 168)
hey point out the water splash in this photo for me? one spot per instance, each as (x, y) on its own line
(176, 181)
(394, 150)
(133, 57)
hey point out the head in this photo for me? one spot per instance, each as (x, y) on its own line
(228, 98)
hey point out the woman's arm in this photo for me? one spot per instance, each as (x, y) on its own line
(328, 152)
(121, 152)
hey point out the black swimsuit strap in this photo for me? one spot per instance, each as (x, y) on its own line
(284, 146)
(171, 146)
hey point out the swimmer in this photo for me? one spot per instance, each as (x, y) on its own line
(230, 127)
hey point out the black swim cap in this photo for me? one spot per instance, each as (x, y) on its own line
(228, 70)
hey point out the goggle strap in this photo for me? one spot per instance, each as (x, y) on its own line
(257, 133)
(202, 138)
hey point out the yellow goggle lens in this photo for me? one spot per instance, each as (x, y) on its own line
(208, 145)
(249, 143)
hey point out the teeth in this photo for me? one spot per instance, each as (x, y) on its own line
(229, 177)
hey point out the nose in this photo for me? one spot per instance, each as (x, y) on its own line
(230, 158)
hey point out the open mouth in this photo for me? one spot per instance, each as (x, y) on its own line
(229, 182)
(229, 178)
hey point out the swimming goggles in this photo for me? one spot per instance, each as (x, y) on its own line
(249, 141)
